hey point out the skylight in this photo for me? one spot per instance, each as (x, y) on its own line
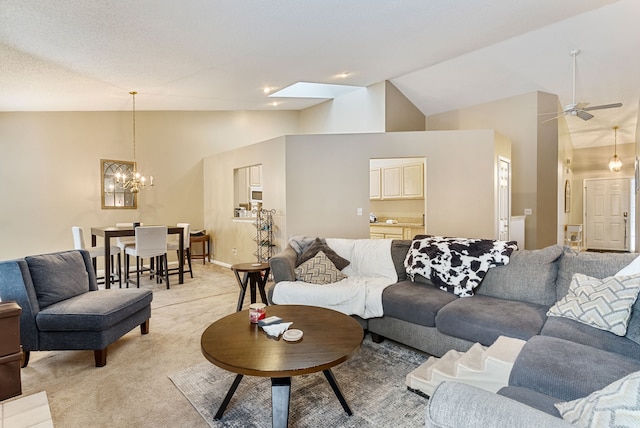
(314, 90)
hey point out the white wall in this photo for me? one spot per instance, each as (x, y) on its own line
(317, 183)
(360, 111)
(517, 118)
(50, 168)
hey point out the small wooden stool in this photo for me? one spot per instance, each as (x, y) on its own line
(204, 240)
(255, 274)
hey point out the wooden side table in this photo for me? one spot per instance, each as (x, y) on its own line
(204, 240)
(255, 275)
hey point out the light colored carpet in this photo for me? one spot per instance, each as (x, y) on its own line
(373, 383)
(134, 389)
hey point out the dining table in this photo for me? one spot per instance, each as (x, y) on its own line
(108, 232)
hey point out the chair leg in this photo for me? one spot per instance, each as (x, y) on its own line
(144, 327)
(164, 260)
(188, 255)
(100, 356)
(127, 262)
(119, 271)
(138, 271)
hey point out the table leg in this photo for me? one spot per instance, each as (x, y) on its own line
(242, 283)
(107, 261)
(253, 284)
(280, 393)
(262, 282)
(227, 398)
(336, 389)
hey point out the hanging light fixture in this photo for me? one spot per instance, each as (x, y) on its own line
(137, 181)
(615, 164)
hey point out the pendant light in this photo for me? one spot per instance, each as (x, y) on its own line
(615, 164)
(136, 181)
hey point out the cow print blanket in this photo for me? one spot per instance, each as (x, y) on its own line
(456, 265)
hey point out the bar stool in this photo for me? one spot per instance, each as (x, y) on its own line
(95, 252)
(150, 242)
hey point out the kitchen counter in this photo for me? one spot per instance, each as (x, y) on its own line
(399, 224)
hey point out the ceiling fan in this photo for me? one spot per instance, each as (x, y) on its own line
(580, 110)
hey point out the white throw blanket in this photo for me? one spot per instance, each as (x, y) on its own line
(370, 271)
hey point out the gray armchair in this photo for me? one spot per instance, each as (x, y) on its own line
(62, 308)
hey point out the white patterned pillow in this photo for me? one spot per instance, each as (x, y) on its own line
(601, 303)
(616, 405)
(319, 270)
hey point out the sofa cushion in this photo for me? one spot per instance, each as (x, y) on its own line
(601, 303)
(319, 270)
(94, 310)
(567, 370)
(415, 303)
(320, 245)
(483, 319)
(530, 277)
(575, 331)
(58, 276)
(617, 405)
(597, 265)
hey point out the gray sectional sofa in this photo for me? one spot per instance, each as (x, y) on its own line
(562, 360)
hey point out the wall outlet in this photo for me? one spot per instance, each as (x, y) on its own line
(234, 251)
(359, 212)
(528, 211)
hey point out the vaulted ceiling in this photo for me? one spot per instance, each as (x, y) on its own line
(221, 54)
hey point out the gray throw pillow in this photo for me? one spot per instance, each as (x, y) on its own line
(321, 245)
(58, 276)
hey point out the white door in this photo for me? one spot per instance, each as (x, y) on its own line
(504, 199)
(607, 214)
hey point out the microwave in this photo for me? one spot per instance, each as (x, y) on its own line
(255, 194)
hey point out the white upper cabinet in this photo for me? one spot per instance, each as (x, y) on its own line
(255, 175)
(396, 179)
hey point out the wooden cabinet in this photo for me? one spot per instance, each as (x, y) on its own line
(413, 181)
(255, 175)
(394, 232)
(395, 180)
(374, 183)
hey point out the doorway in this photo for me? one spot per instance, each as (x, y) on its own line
(609, 214)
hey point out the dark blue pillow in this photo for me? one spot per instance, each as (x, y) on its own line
(58, 276)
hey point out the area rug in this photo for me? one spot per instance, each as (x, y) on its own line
(372, 381)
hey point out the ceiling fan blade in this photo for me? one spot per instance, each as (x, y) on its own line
(553, 118)
(584, 115)
(601, 107)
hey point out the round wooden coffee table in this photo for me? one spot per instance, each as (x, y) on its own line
(235, 344)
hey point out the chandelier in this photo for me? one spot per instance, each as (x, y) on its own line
(136, 181)
(615, 164)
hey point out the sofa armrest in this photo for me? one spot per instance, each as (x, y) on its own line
(283, 265)
(458, 405)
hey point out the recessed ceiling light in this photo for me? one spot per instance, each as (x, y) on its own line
(266, 90)
(275, 104)
(343, 75)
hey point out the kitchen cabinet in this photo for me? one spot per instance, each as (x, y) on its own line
(374, 183)
(396, 180)
(384, 231)
(255, 175)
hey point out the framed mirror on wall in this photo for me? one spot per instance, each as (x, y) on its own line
(114, 195)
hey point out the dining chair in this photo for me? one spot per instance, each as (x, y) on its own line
(150, 242)
(123, 241)
(173, 244)
(95, 252)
